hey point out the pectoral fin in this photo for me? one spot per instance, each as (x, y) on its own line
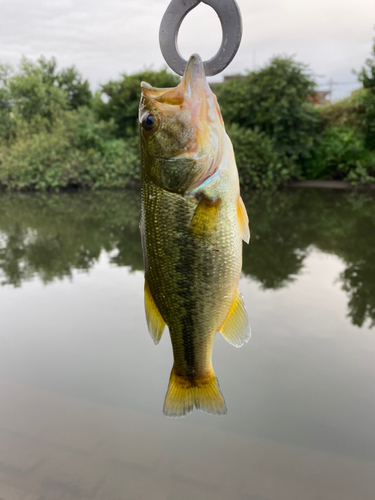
(206, 218)
(155, 321)
(236, 328)
(243, 220)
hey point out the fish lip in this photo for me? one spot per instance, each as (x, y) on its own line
(196, 60)
(194, 66)
(194, 78)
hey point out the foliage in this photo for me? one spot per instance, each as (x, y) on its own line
(123, 98)
(342, 155)
(367, 74)
(5, 102)
(77, 90)
(274, 100)
(259, 165)
(50, 139)
(54, 134)
(38, 89)
(341, 152)
(349, 111)
(33, 91)
(367, 77)
(77, 152)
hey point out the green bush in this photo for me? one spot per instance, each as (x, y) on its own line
(349, 111)
(5, 103)
(41, 161)
(71, 154)
(342, 155)
(367, 77)
(118, 166)
(51, 139)
(258, 163)
(342, 151)
(274, 100)
(54, 134)
(37, 89)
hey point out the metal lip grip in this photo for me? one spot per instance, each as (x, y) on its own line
(231, 24)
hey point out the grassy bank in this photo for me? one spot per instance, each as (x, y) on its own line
(55, 134)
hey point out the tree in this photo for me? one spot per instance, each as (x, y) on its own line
(78, 90)
(367, 74)
(367, 77)
(38, 89)
(274, 100)
(33, 90)
(124, 94)
(5, 101)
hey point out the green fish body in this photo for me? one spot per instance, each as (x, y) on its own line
(192, 224)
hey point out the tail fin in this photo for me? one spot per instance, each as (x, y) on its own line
(183, 395)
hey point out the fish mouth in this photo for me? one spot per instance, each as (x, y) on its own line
(191, 92)
(195, 87)
(194, 80)
(205, 117)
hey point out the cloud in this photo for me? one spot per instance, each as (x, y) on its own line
(104, 39)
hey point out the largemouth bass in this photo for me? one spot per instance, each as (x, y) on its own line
(193, 221)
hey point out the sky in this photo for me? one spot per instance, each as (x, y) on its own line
(106, 38)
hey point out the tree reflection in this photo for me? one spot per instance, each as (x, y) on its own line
(285, 225)
(279, 241)
(49, 236)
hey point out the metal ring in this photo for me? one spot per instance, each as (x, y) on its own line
(231, 24)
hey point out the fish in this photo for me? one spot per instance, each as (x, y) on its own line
(193, 221)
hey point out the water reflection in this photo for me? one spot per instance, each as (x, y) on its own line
(51, 235)
(82, 384)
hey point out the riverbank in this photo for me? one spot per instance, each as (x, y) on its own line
(56, 135)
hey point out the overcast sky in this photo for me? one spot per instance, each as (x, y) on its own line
(107, 37)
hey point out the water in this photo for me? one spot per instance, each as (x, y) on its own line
(82, 384)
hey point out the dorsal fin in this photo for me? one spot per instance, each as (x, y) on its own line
(155, 321)
(236, 328)
(243, 220)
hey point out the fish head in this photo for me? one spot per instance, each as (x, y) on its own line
(182, 130)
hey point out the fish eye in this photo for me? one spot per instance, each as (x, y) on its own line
(149, 122)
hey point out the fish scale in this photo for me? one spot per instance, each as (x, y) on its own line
(192, 225)
(182, 270)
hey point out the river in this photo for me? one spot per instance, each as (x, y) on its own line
(82, 384)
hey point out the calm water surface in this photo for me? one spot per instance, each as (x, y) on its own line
(82, 384)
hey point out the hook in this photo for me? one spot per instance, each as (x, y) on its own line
(231, 24)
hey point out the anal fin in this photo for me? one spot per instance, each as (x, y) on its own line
(155, 321)
(236, 328)
(243, 220)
